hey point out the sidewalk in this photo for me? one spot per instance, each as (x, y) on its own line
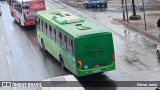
(139, 26)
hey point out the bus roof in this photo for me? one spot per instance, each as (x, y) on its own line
(70, 24)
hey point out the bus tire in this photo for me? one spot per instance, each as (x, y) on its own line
(98, 5)
(85, 5)
(62, 62)
(105, 5)
(158, 54)
(42, 46)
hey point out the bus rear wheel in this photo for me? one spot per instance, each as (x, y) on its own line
(62, 62)
(42, 46)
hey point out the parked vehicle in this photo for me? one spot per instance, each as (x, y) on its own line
(0, 11)
(95, 3)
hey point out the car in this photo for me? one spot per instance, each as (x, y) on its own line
(158, 52)
(66, 82)
(0, 11)
(95, 3)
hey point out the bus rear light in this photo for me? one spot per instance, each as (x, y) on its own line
(113, 57)
(79, 62)
(85, 67)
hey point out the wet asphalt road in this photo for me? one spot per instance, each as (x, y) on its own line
(21, 59)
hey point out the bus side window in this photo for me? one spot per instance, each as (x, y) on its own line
(44, 30)
(70, 46)
(46, 27)
(58, 37)
(18, 7)
(50, 31)
(38, 23)
(41, 25)
(54, 34)
(64, 41)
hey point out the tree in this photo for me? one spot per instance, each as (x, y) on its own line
(134, 10)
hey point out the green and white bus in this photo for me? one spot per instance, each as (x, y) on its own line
(82, 47)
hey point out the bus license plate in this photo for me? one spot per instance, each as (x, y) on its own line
(95, 71)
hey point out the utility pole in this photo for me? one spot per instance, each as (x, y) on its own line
(124, 18)
(126, 11)
(144, 15)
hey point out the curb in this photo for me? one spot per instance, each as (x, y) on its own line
(140, 31)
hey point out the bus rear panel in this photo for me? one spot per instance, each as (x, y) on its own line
(95, 54)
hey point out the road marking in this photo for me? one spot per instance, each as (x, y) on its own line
(3, 38)
(8, 61)
(10, 68)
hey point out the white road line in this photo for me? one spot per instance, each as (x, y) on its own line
(3, 38)
(10, 68)
(8, 61)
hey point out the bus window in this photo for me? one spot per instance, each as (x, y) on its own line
(50, 31)
(70, 46)
(25, 5)
(41, 25)
(64, 41)
(46, 27)
(37, 23)
(53, 35)
(18, 7)
(65, 38)
(58, 37)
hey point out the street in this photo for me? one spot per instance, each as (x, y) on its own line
(22, 60)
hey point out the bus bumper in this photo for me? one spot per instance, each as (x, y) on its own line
(29, 23)
(95, 70)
